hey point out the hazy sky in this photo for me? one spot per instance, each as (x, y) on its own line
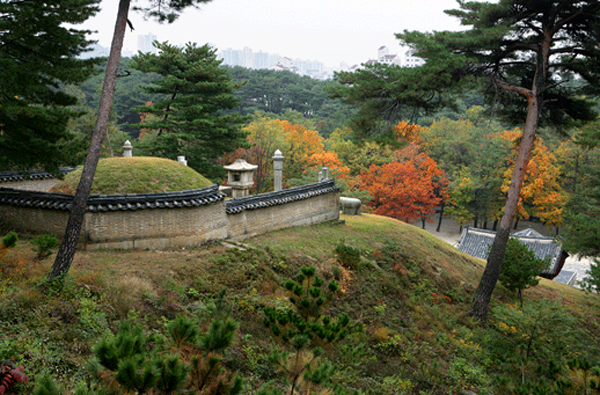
(331, 31)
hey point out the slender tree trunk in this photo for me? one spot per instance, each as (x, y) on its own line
(439, 225)
(483, 294)
(66, 252)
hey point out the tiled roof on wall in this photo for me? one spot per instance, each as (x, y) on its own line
(11, 176)
(268, 199)
(477, 242)
(96, 203)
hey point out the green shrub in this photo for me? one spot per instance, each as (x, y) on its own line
(44, 245)
(347, 256)
(9, 239)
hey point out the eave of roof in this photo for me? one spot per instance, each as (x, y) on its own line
(123, 202)
(10, 176)
(476, 242)
(269, 199)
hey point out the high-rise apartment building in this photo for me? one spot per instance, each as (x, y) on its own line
(145, 43)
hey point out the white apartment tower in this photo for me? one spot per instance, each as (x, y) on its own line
(145, 43)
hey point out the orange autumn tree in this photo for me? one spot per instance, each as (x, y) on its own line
(409, 132)
(408, 189)
(302, 144)
(297, 144)
(330, 160)
(541, 194)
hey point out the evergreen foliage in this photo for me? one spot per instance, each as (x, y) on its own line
(38, 55)
(44, 245)
(591, 282)
(183, 361)
(304, 330)
(582, 214)
(9, 239)
(520, 267)
(191, 120)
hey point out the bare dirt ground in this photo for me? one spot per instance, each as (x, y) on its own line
(450, 233)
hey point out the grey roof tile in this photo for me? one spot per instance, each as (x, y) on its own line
(234, 206)
(97, 203)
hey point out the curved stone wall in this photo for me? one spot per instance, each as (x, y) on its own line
(173, 219)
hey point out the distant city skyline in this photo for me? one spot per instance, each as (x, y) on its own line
(330, 31)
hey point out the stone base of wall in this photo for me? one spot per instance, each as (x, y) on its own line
(34, 220)
(254, 222)
(156, 229)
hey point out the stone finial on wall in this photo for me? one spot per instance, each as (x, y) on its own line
(127, 149)
(240, 177)
(324, 174)
(277, 171)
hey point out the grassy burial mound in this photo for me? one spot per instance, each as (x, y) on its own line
(136, 175)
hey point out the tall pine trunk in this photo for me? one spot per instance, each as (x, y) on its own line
(483, 294)
(66, 252)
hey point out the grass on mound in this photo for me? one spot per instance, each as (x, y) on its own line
(136, 175)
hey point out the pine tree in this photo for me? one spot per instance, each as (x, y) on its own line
(192, 119)
(520, 268)
(38, 54)
(305, 331)
(524, 51)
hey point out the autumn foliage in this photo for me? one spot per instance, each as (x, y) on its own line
(541, 194)
(407, 189)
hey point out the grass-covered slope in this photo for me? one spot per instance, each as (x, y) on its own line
(136, 175)
(410, 292)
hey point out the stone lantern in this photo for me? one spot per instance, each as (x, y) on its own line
(240, 177)
(127, 149)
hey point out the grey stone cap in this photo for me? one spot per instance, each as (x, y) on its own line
(97, 203)
(9, 176)
(268, 199)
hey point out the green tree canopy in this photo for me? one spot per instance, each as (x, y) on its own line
(191, 117)
(520, 267)
(38, 55)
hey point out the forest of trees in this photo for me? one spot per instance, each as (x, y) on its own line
(461, 157)
(437, 139)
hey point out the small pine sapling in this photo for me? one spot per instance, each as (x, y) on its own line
(8, 241)
(44, 245)
(591, 283)
(185, 361)
(305, 331)
(520, 268)
(347, 256)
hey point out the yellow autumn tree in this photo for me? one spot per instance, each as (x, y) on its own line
(541, 195)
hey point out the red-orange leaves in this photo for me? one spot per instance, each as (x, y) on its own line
(401, 190)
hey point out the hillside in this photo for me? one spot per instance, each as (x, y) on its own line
(410, 293)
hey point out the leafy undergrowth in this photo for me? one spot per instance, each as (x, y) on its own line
(407, 289)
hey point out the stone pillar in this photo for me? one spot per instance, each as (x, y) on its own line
(277, 171)
(325, 171)
(181, 159)
(127, 149)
